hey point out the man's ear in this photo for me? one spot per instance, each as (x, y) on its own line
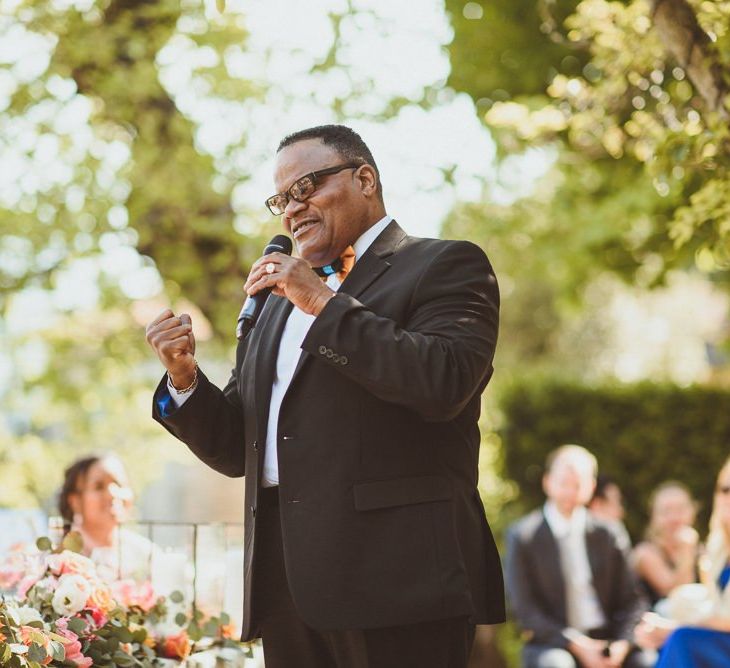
(368, 179)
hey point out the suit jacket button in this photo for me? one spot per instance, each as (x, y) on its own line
(343, 360)
(253, 511)
(335, 358)
(322, 350)
(255, 445)
(329, 354)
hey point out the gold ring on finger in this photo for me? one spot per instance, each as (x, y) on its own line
(270, 267)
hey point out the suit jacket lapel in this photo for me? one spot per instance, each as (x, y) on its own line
(373, 262)
(548, 557)
(595, 550)
(268, 330)
(366, 270)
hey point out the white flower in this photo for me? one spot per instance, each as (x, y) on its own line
(26, 615)
(71, 595)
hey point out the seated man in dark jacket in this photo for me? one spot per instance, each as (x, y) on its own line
(568, 579)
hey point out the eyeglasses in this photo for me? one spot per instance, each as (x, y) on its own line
(302, 188)
(722, 489)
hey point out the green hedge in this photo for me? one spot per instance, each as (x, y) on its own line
(641, 434)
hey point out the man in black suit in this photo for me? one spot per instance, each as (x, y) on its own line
(352, 411)
(569, 583)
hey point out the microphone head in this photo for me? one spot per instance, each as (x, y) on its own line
(279, 244)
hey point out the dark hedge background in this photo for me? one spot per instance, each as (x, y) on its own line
(642, 435)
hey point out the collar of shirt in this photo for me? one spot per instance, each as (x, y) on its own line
(370, 235)
(560, 525)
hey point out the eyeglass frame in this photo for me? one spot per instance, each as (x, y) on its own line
(313, 176)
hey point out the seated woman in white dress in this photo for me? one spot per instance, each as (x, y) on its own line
(94, 501)
(695, 632)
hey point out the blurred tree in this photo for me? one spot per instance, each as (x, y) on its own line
(141, 178)
(105, 187)
(632, 97)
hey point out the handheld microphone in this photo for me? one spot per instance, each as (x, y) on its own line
(254, 304)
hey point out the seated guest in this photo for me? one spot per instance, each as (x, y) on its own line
(568, 579)
(607, 502)
(668, 555)
(94, 500)
(706, 643)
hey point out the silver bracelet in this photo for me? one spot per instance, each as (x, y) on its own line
(190, 387)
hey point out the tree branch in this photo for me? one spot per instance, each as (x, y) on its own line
(690, 45)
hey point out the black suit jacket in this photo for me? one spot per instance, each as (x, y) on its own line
(536, 586)
(377, 440)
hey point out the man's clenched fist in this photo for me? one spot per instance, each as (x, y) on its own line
(171, 337)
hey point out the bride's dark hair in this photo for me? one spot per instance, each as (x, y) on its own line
(71, 478)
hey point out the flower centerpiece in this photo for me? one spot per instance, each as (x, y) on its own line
(66, 615)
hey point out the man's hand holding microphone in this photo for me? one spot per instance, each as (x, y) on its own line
(172, 338)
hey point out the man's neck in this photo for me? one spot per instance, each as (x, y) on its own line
(566, 512)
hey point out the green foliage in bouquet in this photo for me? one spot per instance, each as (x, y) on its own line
(642, 435)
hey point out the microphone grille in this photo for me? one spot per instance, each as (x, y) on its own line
(279, 244)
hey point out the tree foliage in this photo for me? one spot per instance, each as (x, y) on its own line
(633, 96)
(137, 178)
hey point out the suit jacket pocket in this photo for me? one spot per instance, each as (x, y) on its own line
(401, 492)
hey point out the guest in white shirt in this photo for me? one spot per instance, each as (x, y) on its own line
(568, 578)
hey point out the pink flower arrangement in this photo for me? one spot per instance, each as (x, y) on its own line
(21, 591)
(72, 644)
(132, 594)
(72, 563)
(12, 568)
(97, 617)
(66, 615)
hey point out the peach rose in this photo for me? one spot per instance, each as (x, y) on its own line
(176, 647)
(101, 598)
(227, 631)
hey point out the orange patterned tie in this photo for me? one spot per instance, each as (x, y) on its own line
(341, 266)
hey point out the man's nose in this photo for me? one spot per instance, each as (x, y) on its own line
(292, 207)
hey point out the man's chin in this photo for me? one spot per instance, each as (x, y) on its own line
(315, 257)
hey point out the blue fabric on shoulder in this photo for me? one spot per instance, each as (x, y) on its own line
(165, 405)
(695, 648)
(724, 577)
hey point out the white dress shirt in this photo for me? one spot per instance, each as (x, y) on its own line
(296, 329)
(583, 608)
